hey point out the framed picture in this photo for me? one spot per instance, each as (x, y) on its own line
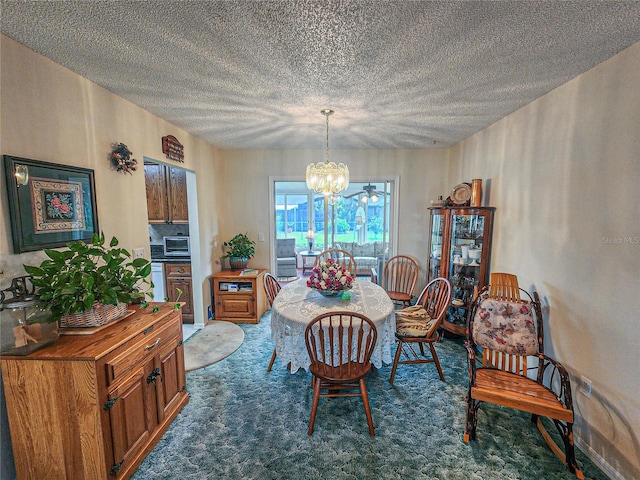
(49, 204)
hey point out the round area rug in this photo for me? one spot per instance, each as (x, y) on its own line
(211, 344)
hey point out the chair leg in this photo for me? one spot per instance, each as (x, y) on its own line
(572, 464)
(396, 359)
(314, 405)
(367, 407)
(568, 457)
(273, 359)
(472, 419)
(436, 360)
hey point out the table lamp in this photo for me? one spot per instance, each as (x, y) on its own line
(310, 237)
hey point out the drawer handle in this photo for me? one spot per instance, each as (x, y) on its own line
(180, 270)
(149, 347)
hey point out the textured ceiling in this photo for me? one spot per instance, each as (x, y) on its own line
(255, 74)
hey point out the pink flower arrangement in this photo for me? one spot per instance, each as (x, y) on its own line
(328, 276)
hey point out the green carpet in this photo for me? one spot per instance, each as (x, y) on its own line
(244, 423)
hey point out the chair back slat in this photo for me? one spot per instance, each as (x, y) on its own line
(400, 274)
(435, 298)
(342, 258)
(504, 361)
(271, 287)
(340, 341)
(504, 286)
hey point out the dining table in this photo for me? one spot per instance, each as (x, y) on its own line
(296, 305)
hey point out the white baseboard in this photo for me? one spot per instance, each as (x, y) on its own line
(595, 457)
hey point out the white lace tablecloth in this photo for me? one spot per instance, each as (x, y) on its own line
(296, 305)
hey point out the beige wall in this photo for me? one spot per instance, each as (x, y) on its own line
(564, 174)
(422, 177)
(49, 113)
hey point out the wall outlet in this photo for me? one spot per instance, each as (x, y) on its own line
(138, 253)
(261, 237)
(585, 386)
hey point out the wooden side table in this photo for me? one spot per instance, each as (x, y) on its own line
(238, 297)
(305, 255)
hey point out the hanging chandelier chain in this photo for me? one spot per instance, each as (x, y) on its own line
(326, 154)
(326, 112)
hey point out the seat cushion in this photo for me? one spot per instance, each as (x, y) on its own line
(505, 326)
(286, 261)
(413, 321)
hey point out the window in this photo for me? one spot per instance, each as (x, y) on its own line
(364, 213)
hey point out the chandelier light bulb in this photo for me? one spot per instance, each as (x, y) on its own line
(327, 177)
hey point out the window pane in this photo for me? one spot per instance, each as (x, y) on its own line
(360, 215)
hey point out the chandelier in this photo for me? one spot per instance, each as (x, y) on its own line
(327, 177)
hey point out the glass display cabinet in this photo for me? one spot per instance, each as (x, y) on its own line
(460, 250)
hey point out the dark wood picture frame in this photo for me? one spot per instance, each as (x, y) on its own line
(54, 205)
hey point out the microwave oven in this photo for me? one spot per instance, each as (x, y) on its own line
(177, 246)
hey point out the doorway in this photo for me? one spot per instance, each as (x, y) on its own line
(171, 203)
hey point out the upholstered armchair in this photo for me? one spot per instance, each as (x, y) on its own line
(286, 259)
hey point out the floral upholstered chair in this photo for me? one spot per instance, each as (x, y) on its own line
(505, 323)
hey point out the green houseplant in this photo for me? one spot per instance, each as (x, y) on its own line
(239, 250)
(87, 276)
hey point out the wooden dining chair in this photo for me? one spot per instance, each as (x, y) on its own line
(419, 325)
(340, 345)
(271, 287)
(342, 257)
(399, 276)
(505, 322)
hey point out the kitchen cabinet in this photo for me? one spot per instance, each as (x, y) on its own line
(92, 406)
(177, 275)
(460, 250)
(166, 194)
(238, 298)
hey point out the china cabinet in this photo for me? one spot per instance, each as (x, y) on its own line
(460, 250)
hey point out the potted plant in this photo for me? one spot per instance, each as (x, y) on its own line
(239, 250)
(90, 284)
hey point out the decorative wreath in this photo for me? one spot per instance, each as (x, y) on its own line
(121, 158)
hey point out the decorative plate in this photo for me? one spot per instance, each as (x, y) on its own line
(461, 194)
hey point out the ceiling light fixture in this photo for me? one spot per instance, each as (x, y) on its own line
(327, 177)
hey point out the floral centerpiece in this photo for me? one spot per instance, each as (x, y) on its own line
(330, 278)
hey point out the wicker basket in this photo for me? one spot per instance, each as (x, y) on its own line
(99, 315)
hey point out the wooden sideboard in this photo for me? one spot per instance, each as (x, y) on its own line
(238, 298)
(93, 406)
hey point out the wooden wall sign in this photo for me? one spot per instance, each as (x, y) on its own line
(172, 148)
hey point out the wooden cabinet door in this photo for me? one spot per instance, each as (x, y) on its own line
(177, 187)
(156, 188)
(236, 306)
(132, 410)
(184, 284)
(173, 382)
